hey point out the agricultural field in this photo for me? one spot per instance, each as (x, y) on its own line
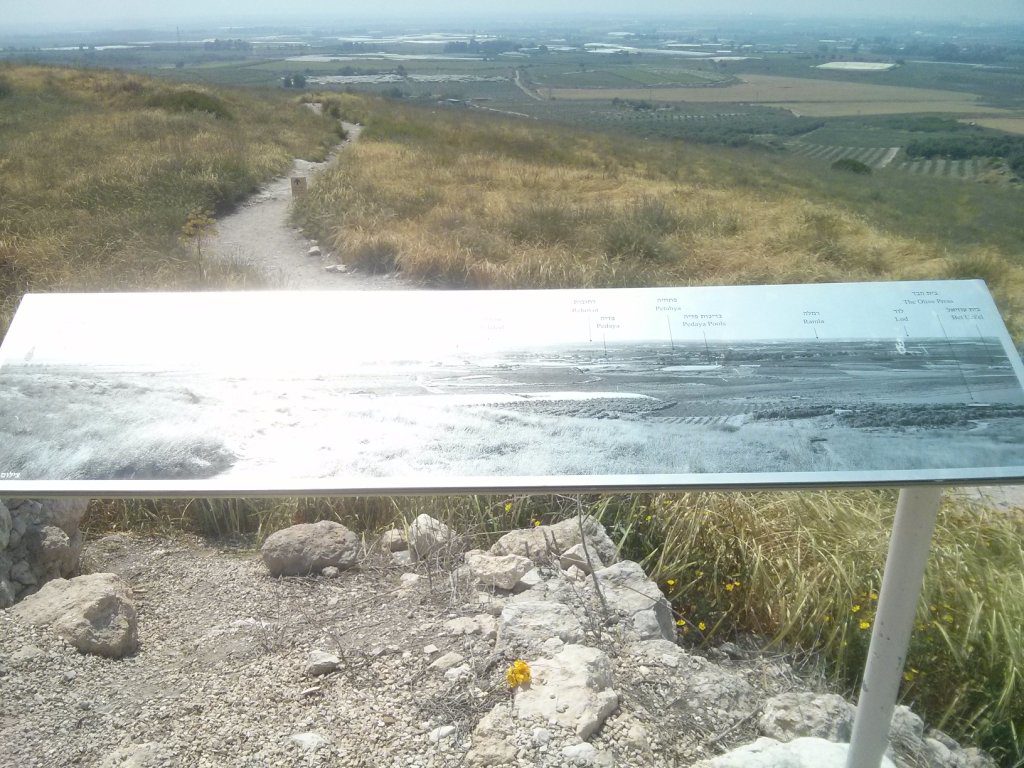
(815, 98)
(879, 158)
(1006, 124)
(620, 76)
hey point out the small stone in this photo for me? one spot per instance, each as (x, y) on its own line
(441, 733)
(459, 673)
(330, 572)
(409, 580)
(540, 737)
(27, 653)
(575, 574)
(308, 740)
(147, 755)
(498, 571)
(402, 558)
(393, 540)
(636, 737)
(314, 251)
(577, 555)
(580, 754)
(321, 663)
(446, 662)
(430, 650)
(529, 580)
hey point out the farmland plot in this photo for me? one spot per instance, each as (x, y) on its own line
(885, 157)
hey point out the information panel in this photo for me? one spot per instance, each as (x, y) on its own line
(422, 391)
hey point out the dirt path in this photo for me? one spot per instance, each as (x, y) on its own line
(522, 87)
(259, 234)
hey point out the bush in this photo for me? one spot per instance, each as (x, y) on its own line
(376, 255)
(850, 165)
(189, 100)
(6, 89)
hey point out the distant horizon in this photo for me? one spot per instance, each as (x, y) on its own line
(36, 21)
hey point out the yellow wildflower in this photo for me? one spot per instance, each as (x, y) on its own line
(701, 626)
(874, 595)
(729, 587)
(855, 608)
(670, 582)
(508, 506)
(518, 674)
(910, 674)
(536, 523)
(680, 623)
(865, 624)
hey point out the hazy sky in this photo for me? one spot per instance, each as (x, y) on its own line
(128, 13)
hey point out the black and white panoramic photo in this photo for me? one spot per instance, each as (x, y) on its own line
(664, 386)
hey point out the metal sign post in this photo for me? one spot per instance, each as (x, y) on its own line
(916, 513)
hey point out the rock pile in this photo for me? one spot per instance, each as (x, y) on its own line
(545, 650)
(39, 541)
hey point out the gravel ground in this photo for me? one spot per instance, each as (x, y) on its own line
(219, 680)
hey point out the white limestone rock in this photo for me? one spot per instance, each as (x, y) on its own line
(581, 558)
(573, 689)
(430, 538)
(321, 663)
(491, 746)
(546, 543)
(94, 613)
(528, 624)
(482, 624)
(635, 600)
(692, 684)
(807, 714)
(310, 740)
(498, 571)
(801, 753)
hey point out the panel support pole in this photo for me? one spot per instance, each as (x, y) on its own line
(916, 513)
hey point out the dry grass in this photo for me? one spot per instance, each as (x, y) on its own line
(806, 568)
(99, 172)
(482, 202)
